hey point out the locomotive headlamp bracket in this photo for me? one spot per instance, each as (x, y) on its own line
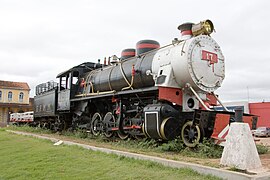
(204, 27)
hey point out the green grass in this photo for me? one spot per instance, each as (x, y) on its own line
(27, 128)
(23, 157)
(174, 149)
(206, 153)
(205, 150)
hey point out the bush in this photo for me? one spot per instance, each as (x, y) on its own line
(262, 149)
(67, 133)
(209, 149)
(175, 145)
(148, 143)
(80, 134)
(206, 149)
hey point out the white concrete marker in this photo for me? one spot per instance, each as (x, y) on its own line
(240, 150)
(58, 143)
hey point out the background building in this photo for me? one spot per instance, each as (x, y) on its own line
(14, 97)
(261, 109)
(231, 106)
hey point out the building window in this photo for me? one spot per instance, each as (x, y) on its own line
(21, 97)
(9, 96)
(0, 95)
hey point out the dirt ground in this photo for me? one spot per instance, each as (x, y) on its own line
(263, 140)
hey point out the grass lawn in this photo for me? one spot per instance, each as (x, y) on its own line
(23, 157)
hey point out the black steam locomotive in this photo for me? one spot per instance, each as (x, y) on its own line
(157, 92)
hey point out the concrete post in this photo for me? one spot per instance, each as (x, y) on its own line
(240, 150)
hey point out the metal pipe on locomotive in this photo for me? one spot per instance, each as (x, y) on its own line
(157, 92)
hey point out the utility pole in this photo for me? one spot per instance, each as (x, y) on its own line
(248, 93)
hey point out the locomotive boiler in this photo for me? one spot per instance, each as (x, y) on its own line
(157, 92)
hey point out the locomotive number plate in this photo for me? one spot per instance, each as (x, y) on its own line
(209, 56)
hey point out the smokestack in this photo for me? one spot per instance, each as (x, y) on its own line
(185, 30)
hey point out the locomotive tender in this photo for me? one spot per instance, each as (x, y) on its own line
(157, 92)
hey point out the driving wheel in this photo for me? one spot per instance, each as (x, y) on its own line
(190, 134)
(96, 124)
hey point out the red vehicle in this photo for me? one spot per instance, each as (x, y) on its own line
(22, 118)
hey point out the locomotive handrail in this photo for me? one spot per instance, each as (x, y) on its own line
(46, 87)
(198, 97)
(132, 79)
(116, 93)
(92, 87)
(220, 102)
(97, 93)
(88, 80)
(130, 86)
(124, 76)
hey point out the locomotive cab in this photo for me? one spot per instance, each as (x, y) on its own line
(66, 84)
(71, 82)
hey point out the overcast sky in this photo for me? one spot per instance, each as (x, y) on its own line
(39, 39)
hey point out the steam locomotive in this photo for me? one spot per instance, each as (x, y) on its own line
(158, 92)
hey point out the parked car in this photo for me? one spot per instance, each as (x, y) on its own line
(262, 131)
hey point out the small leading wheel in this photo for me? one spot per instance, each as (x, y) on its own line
(96, 124)
(109, 122)
(190, 134)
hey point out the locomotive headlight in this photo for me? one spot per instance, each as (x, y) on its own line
(204, 27)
